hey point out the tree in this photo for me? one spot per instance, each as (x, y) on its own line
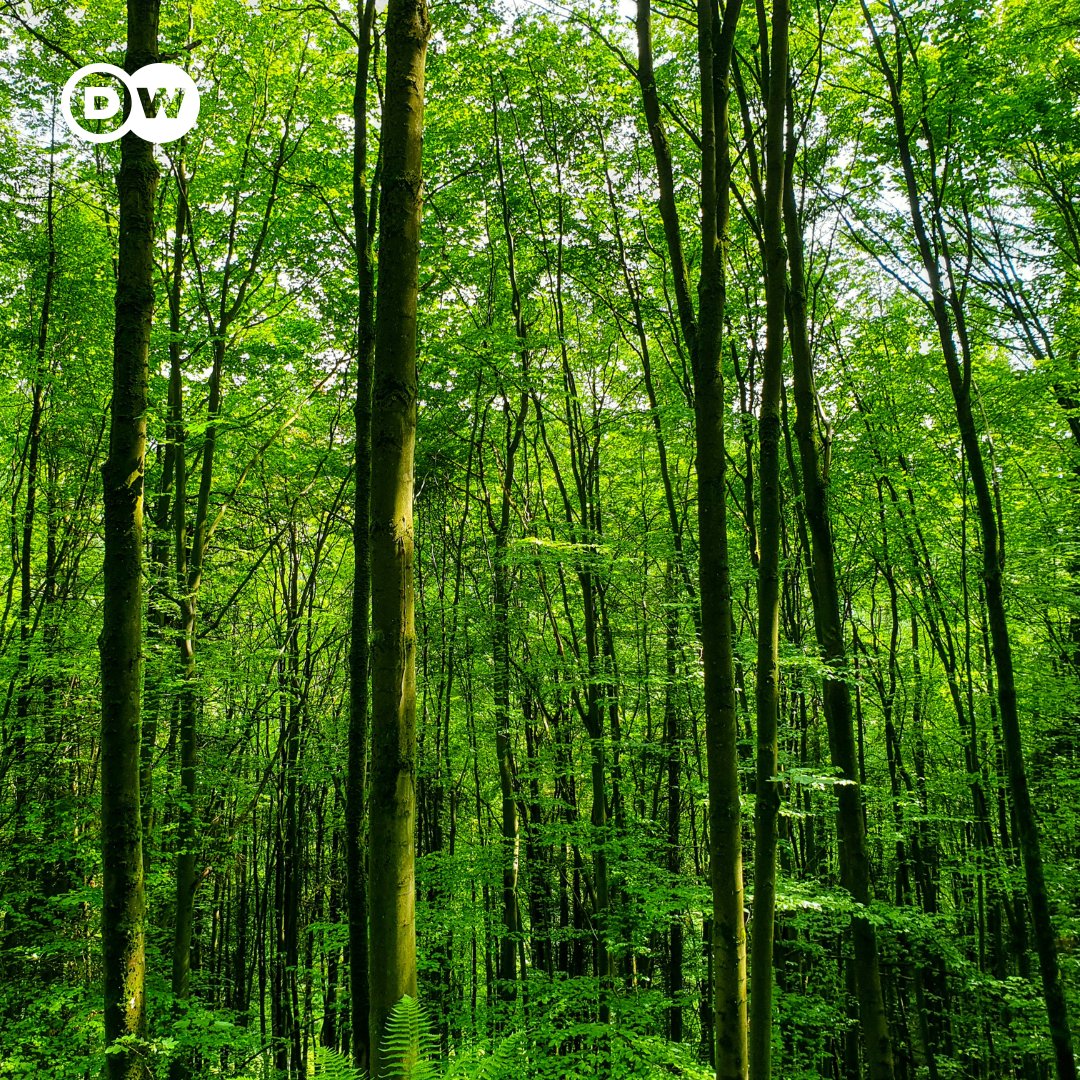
(767, 794)
(828, 626)
(124, 904)
(950, 318)
(363, 228)
(392, 800)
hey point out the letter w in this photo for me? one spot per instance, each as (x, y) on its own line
(163, 98)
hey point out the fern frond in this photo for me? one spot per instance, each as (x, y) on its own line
(410, 1047)
(506, 1060)
(330, 1065)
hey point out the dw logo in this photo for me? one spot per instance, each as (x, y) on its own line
(164, 102)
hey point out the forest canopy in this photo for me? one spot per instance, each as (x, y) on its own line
(542, 540)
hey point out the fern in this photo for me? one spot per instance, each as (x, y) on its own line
(506, 1061)
(408, 1033)
(330, 1065)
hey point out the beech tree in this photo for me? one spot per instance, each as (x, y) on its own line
(392, 950)
(123, 930)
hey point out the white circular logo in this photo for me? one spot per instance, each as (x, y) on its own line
(164, 102)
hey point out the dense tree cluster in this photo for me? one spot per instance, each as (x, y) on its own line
(609, 606)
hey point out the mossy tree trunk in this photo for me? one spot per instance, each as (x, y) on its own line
(124, 902)
(392, 952)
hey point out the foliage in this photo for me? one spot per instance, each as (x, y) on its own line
(546, 291)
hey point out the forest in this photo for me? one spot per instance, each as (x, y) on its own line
(541, 540)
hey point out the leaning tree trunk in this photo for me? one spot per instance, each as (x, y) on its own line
(393, 433)
(124, 903)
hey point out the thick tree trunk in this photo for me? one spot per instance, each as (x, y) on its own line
(728, 929)
(393, 690)
(123, 911)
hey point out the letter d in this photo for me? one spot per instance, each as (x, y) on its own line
(92, 95)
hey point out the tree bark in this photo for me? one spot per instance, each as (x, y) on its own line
(767, 804)
(726, 946)
(359, 645)
(124, 904)
(393, 685)
(728, 931)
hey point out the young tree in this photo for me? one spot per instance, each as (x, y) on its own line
(767, 805)
(943, 272)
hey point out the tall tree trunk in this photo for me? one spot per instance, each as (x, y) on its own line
(184, 908)
(500, 527)
(356, 783)
(393, 661)
(767, 805)
(851, 823)
(673, 746)
(727, 938)
(728, 928)
(124, 904)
